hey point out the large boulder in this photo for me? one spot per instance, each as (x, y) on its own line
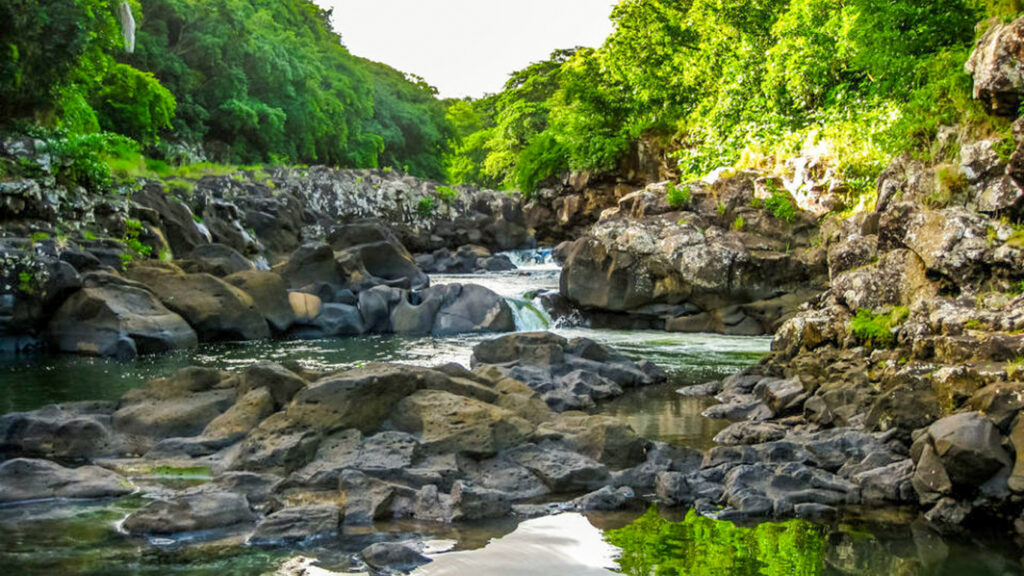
(24, 479)
(110, 317)
(297, 524)
(177, 221)
(215, 309)
(362, 398)
(204, 510)
(445, 422)
(217, 259)
(968, 446)
(997, 66)
(177, 406)
(471, 308)
(371, 254)
(269, 294)
(684, 270)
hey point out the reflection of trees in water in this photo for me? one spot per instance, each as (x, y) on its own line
(702, 546)
(699, 546)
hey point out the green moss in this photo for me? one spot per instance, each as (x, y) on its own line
(878, 330)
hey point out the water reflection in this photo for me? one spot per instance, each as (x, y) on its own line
(654, 545)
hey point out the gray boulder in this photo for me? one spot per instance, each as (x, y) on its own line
(190, 513)
(25, 479)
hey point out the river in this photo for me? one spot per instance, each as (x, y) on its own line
(82, 537)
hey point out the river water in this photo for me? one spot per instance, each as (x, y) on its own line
(81, 538)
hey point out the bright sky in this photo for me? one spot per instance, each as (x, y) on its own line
(467, 47)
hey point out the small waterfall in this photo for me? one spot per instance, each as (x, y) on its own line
(530, 315)
(538, 259)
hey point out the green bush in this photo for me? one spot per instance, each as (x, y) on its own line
(878, 330)
(780, 204)
(446, 194)
(426, 206)
(739, 223)
(678, 196)
(134, 248)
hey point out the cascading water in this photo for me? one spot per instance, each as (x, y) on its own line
(530, 315)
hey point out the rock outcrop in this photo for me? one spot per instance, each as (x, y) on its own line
(716, 263)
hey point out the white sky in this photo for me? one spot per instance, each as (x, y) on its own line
(467, 47)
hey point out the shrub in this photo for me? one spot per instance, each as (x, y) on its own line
(878, 330)
(134, 248)
(426, 206)
(780, 204)
(678, 196)
(739, 223)
(446, 194)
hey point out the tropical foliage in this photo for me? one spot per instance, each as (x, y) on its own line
(251, 80)
(729, 82)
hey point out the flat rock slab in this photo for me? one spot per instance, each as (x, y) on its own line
(190, 513)
(27, 479)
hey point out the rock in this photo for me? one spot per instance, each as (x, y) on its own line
(930, 478)
(310, 265)
(370, 254)
(470, 502)
(338, 320)
(62, 432)
(470, 308)
(297, 524)
(375, 305)
(603, 438)
(118, 320)
(997, 66)
(218, 260)
(566, 374)
(177, 221)
(753, 490)
(445, 422)
(606, 498)
(562, 470)
(215, 309)
(190, 513)
(969, 447)
(505, 476)
(888, 484)
(366, 498)
(393, 557)
(236, 422)
(257, 488)
(268, 293)
(281, 383)
(747, 433)
(278, 443)
(305, 307)
(180, 405)
(1000, 402)
(362, 398)
(25, 479)
(1016, 480)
